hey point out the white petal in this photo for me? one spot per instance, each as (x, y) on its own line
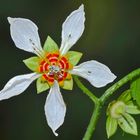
(17, 85)
(96, 73)
(55, 108)
(72, 29)
(25, 34)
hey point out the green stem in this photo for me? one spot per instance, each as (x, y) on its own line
(93, 121)
(85, 90)
(99, 102)
(119, 84)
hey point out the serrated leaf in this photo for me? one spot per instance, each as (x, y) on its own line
(125, 96)
(111, 126)
(50, 45)
(135, 90)
(132, 109)
(68, 84)
(32, 63)
(41, 85)
(128, 124)
(74, 57)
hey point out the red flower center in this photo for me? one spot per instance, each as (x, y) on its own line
(55, 67)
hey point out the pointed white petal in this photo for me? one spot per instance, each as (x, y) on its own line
(55, 108)
(17, 85)
(96, 73)
(10, 20)
(25, 34)
(72, 29)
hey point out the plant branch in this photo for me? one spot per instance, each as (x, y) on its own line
(119, 84)
(85, 90)
(99, 102)
(93, 121)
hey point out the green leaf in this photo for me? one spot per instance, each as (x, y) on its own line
(128, 124)
(68, 84)
(50, 45)
(125, 96)
(132, 109)
(135, 90)
(41, 85)
(74, 57)
(32, 63)
(111, 126)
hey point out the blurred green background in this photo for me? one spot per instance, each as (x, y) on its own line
(111, 36)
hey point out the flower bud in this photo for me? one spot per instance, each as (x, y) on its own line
(117, 109)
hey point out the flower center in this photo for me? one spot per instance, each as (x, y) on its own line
(55, 67)
(117, 109)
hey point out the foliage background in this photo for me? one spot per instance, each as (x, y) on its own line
(111, 36)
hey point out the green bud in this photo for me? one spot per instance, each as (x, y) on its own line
(117, 109)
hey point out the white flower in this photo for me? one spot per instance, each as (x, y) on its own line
(25, 36)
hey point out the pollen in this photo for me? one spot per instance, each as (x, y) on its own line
(55, 67)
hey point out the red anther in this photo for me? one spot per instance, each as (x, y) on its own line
(65, 74)
(49, 55)
(53, 59)
(62, 64)
(64, 59)
(60, 79)
(50, 79)
(45, 76)
(67, 65)
(55, 55)
(42, 62)
(46, 66)
(51, 75)
(41, 68)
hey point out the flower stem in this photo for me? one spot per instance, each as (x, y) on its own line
(85, 90)
(93, 121)
(99, 102)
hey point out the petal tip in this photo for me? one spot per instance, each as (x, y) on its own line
(81, 7)
(10, 19)
(56, 134)
(113, 77)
